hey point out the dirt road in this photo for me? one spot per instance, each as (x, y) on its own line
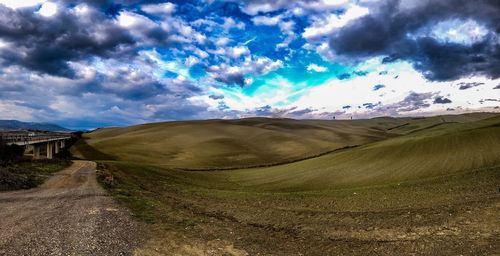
(68, 215)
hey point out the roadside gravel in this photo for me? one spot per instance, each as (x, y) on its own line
(70, 214)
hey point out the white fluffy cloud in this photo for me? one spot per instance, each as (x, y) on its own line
(48, 9)
(379, 93)
(159, 9)
(238, 51)
(230, 23)
(267, 21)
(324, 25)
(316, 68)
(299, 7)
(395, 98)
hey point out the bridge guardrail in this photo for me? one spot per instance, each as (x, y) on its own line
(27, 139)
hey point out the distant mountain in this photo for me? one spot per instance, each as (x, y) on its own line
(18, 125)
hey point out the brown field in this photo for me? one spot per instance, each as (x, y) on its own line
(413, 186)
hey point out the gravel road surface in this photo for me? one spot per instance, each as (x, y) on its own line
(70, 214)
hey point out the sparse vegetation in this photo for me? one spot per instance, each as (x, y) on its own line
(28, 174)
(215, 144)
(430, 186)
(17, 172)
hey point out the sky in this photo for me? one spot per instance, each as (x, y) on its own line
(97, 63)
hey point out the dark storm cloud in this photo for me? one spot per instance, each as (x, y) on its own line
(360, 73)
(232, 79)
(264, 111)
(134, 91)
(371, 105)
(414, 101)
(301, 112)
(390, 30)
(441, 100)
(179, 110)
(344, 76)
(236, 75)
(490, 100)
(47, 45)
(378, 87)
(465, 86)
(216, 97)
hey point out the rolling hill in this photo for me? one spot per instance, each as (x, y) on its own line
(229, 144)
(422, 185)
(435, 151)
(217, 144)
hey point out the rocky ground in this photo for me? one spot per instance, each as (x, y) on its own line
(70, 214)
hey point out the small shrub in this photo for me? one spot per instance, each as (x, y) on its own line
(105, 177)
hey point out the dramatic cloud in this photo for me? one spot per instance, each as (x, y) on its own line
(465, 86)
(159, 9)
(414, 101)
(378, 87)
(237, 75)
(324, 25)
(216, 97)
(344, 76)
(48, 44)
(441, 100)
(95, 63)
(442, 41)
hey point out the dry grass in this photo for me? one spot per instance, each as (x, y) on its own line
(228, 144)
(215, 144)
(444, 150)
(416, 186)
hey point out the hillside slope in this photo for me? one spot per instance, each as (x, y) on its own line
(430, 186)
(220, 144)
(226, 143)
(436, 151)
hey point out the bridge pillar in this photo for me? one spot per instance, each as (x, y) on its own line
(36, 151)
(63, 143)
(50, 150)
(56, 147)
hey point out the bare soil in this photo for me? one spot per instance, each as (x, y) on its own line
(70, 214)
(454, 215)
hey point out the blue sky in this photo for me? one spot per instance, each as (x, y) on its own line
(87, 64)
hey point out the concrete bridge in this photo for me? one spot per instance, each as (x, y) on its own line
(48, 143)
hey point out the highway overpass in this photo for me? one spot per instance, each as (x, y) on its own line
(41, 145)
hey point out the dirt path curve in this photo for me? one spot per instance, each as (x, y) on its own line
(70, 214)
